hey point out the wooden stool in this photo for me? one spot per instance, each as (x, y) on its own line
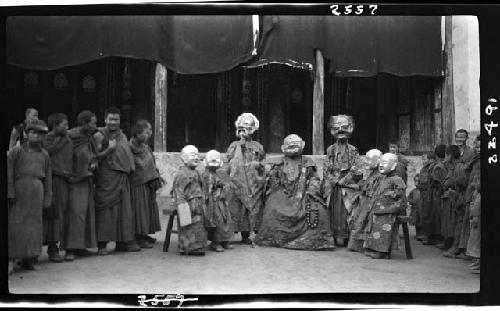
(172, 213)
(403, 221)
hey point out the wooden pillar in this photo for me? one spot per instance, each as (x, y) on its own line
(318, 106)
(447, 102)
(160, 134)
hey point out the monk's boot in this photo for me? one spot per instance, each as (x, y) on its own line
(53, 252)
(216, 247)
(83, 252)
(102, 251)
(226, 245)
(451, 253)
(150, 239)
(131, 246)
(379, 255)
(474, 264)
(30, 264)
(70, 255)
(367, 252)
(245, 238)
(143, 242)
(197, 252)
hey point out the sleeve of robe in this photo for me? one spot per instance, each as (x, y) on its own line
(12, 157)
(396, 196)
(180, 184)
(314, 186)
(47, 182)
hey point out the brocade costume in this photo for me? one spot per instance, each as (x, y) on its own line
(295, 216)
(188, 188)
(381, 231)
(342, 159)
(248, 176)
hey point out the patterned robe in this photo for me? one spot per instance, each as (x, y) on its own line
(29, 181)
(381, 232)
(248, 175)
(143, 190)
(360, 219)
(188, 188)
(342, 159)
(295, 216)
(80, 230)
(60, 150)
(217, 191)
(114, 215)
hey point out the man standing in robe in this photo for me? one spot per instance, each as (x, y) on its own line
(29, 180)
(248, 175)
(437, 177)
(428, 160)
(368, 186)
(79, 225)
(340, 172)
(114, 214)
(60, 149)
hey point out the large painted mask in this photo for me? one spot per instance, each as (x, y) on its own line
(341, 126)
(292, 145)
(246, 125)
(388, 162)
(213, 159)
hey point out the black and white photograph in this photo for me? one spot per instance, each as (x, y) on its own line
(170, 155)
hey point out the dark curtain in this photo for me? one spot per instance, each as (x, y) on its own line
(184, 44)
(356, 46)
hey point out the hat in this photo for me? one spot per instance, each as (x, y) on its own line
(37, 125)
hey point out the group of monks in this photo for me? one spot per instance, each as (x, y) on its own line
(84, 187)
(79, 188)
(446, 201)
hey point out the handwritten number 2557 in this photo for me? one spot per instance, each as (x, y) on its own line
(349, 8)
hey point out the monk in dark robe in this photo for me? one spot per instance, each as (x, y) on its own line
(341, 171)
(365, 201)
(187, 192)
(60, 148)
(79, 228)
(217, 191)
(470, 176)
(114, 214)
(29, 180)
(145, 181)
(248, 175)
(382, 232)
(451, 196)
(436, 179)
(295, 215)
(428, 160)
(438, 176)
(415, 204)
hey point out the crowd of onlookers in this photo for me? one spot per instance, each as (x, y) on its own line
(446, 201)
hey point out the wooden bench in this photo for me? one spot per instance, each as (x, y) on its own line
(403, 221)
(172, 214)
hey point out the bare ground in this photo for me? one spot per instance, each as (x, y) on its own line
(247, 270)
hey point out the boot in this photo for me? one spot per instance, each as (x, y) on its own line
(226, 245)
(378, 255)
(216, 247)
(53, 252)
(474, 264)
(102, 251)
(30, 264)
(69, 256)
(245, 237)
(131, 246)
